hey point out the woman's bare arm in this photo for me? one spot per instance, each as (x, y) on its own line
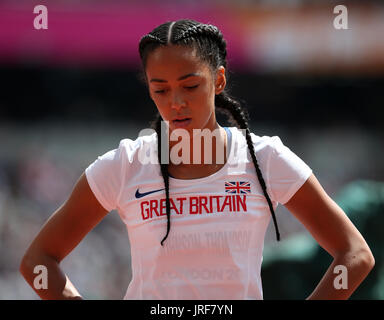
(62, 232)
(333, 230)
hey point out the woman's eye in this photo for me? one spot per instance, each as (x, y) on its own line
(193, 87)
(188, 88)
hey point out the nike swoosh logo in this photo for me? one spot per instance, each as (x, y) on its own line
(140, 195)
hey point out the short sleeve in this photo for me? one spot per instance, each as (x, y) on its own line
(286, 172)
(105, 177)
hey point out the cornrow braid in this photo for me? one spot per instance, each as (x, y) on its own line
(164, 172)
(197, 30)
(209, 31)
(225, 102)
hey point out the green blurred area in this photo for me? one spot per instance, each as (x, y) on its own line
(292, 269)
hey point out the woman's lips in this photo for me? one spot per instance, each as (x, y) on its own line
(182, 123)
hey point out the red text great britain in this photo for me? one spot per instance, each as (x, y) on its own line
(194, 205)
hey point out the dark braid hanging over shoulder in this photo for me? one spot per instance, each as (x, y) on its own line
(211, 48)
(225, 102)
(164, 173)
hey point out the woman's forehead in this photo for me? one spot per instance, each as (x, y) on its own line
(174, 51)
(174, 61)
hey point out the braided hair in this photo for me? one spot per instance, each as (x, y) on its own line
(211, 48)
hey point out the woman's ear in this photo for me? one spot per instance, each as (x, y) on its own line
(220, 80)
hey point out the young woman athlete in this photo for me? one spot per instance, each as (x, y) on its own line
(196, 230)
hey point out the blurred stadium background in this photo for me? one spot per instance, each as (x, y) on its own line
(71, 93)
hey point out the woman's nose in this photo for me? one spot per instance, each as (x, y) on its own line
(177, 101)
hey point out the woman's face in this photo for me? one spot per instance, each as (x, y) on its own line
(183, 87)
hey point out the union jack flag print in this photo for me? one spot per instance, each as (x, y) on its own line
(238, 187)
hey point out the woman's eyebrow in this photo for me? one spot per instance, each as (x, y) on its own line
(179, 79)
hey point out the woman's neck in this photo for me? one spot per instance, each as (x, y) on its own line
(203, 154)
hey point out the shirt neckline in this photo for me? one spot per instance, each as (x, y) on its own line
(230, 143)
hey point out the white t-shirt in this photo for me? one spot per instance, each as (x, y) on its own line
(218, 223)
